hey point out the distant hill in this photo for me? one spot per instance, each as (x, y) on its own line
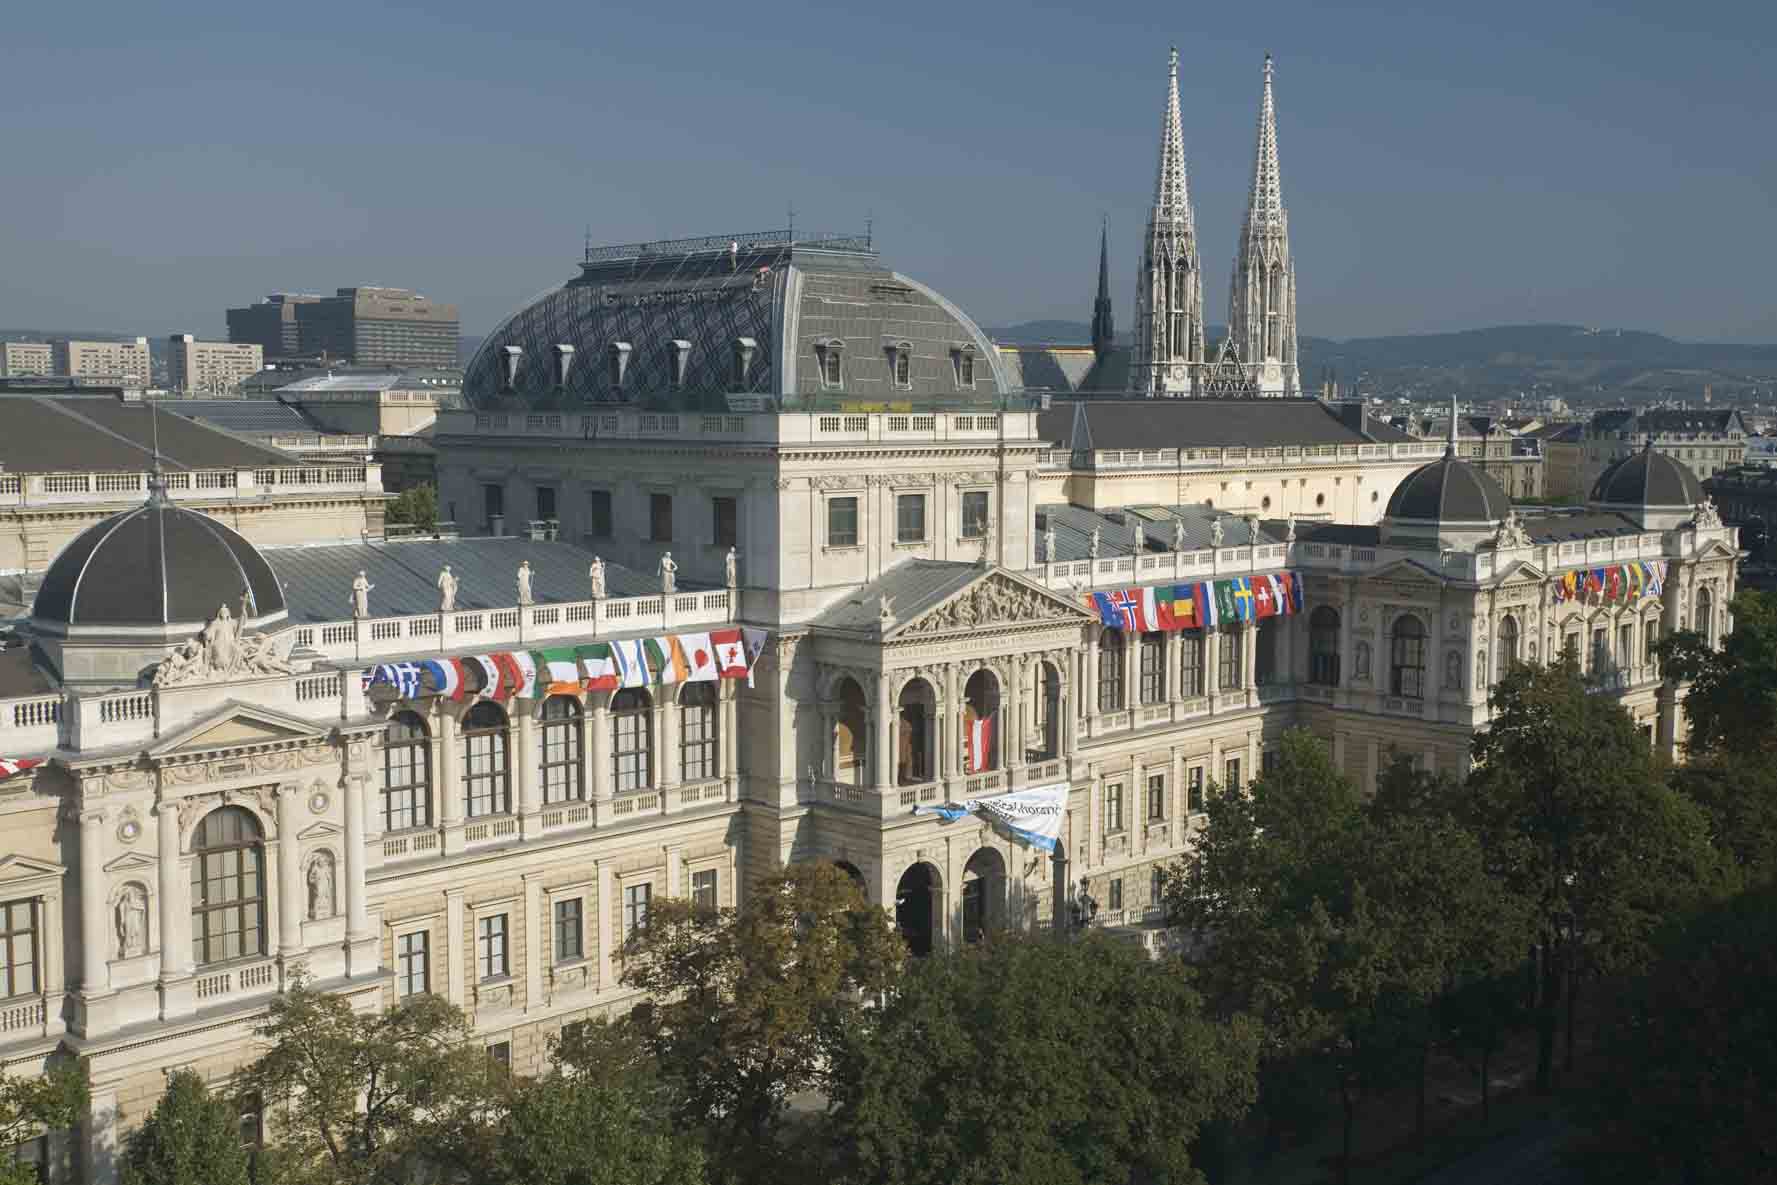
(1570, 358)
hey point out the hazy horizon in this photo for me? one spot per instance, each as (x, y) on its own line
(1446, 170)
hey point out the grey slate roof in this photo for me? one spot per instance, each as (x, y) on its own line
(318, 580)
(1647, 478)
(1139, 528)
(913, 587)
(244, 415)
(1565, 528)
(1209, 423)
(99, 433)
(1449, 490)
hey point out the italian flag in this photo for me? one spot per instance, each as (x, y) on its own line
(599, 663)
(558, 671)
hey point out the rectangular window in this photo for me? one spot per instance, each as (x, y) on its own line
(830, 376)
(1232, 782)
(703, 889)
(1229, 670)
(1268, 760)
(546, 502)
(598, 523)
(660, 518)
(1156, 797)
(1113, 808)
(842, 522)
(1116, 898)
(1650, 637)
(903, 369)
(630, 751)
(1151, 677)
(501, 1053)
(1600, 655)
(974, 514)
(725, 513)
(697, 733)
(635, 907)
(570, 942)
(910, 518)
(965, 370)
(493, 504)
(413, 972)
(1625, 646)
(1570, 645)
(490, 946)
(1194, 790)
(1191, 663)
(1157, 887)
(18, 948)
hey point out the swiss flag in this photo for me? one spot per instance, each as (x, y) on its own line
(731, 656)
(1262, 594)
(700, 658)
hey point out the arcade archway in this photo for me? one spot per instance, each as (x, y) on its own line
(983, 894)
(917, 899)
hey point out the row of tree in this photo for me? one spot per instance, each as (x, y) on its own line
(1341, 939)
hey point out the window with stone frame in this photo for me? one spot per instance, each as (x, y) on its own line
(1230, 673)
(413, 968)
(407, 773)
(1191, 646)
(660, 518)
(1406, 661)
(490, 947)
(636, 899)
(227, 887)
(910, 518)
(842, 522)
(975, 513)
(1156, 797)
(1110, 669)
(703, 889)
(19, 960)
(697, 732)
(1115, 899)
(487, 767)
(561, 770)
(1157, 887)
(599, 521)
(570, 931)
(725, 520)
(1194, 790)
(1151, 676)
(1323, 646)
(832, 375)
(1113, 807)
(631, 749)
(1231, 771)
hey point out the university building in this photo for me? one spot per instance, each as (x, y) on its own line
(815, 561)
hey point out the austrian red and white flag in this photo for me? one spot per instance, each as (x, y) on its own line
(700, 658)
(980, 743)
(18, 765)
(731, 654)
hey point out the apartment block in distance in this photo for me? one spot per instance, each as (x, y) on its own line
(388, 327)
(271, 324)
(198, 366)
(18, 359)
(119, 359)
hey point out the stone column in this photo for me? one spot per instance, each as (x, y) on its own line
(1249, 652)
(1212, 666)
(587, 732)
(883, 736)
(674, 870)
(670, 764)
(526, 757)
(291, 905)
(1173, 658)
(1067, 728)
(948, 732)
(95, 906)
(175, 955)
(1088, 689)
(599, 751)
(1012, 733)
(727, 697)
(536, 925)
(454, 987)
(362, 953)
(1131, 672)
(1347, 616)
(449, 765)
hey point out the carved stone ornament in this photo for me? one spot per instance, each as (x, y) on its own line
(222, 652)
(129, 827)
(1707, 516)
(190, 808)
(130, 917)
(1512, 532)
(994, 601)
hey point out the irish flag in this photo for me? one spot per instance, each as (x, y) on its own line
(558, 671)
(599, 663)
(666, 661)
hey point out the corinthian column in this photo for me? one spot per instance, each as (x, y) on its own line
(175, 950)
(290, 898)
(95, 964)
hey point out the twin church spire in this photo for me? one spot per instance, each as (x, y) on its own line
(1259, 356)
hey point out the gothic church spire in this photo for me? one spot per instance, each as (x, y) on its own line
(1104, 329)
(1169, 291)
(1262, 295)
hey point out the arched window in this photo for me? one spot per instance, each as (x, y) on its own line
(561, 769)
(1508, 643)
(913, 744)
(1407, 658)
(407, 773)
(697, 732)
(487, 773)
(1704, 621)
(851, 736)
(1048, 705)
(631, 750)
(1110, 670)
(228, 887)
(1323, 646)
(1152, 674)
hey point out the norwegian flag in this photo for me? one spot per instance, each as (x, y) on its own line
(18, 765)
(1136, 609)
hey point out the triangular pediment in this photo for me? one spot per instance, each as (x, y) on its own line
(320, 830)
(27, 875)
(1715, 549)
(996, 599)
(1408, 572)
(129, 862)
(1520, 572)
(234, 726)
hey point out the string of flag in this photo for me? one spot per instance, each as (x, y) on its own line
(18, 765)
(1200, 604)
(696, 657)
(1618, 582)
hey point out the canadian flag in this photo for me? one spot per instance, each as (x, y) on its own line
(731, 655)
(980, 743)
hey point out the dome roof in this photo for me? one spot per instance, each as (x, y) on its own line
(1449, 490)
(1648, 478)
(155, 565)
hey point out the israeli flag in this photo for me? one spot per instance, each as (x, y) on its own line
(1032, 817)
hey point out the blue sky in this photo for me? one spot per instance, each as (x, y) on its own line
(1444, 166)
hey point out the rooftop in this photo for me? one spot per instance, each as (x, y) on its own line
(101, 433)
(1114, 423)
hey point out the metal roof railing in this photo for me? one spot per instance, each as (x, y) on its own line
(708, 244)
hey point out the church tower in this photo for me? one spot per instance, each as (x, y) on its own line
(1262, 295)
(1104, 329)
(1169, 291)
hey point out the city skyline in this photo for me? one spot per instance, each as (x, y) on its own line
(1560, 169)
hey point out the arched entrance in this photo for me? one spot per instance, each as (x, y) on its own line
(984, 894)
(916, 906)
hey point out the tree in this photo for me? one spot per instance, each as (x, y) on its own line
(1575, 821)
(31, 1105)
(367, 1096)
(190, 1138)
(569, 1130)
(747, 1005)
(1039, 1061)
(416, 505)
(1688, 1085)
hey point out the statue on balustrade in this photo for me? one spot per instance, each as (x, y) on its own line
(731, 568)
(524, 583)
(1178, 534)
(447, 590)
(669, 573)
(361, 587)
(595, 575)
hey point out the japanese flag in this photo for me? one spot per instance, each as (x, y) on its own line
(700, 658)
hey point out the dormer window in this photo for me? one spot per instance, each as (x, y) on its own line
(962, 366)
(744, 348)
(827, 353)
(509, 358)
(618, 359)
(679, 357)
(901, 365)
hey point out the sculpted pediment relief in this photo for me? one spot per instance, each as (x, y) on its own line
(996, 599)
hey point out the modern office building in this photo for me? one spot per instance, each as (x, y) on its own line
(210, 367)
(20, 359)
(127, 359)
(364, 326)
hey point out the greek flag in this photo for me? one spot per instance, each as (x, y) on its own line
(404, 677)
(1032, 817)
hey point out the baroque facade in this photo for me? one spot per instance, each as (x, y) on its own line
(227, 801)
